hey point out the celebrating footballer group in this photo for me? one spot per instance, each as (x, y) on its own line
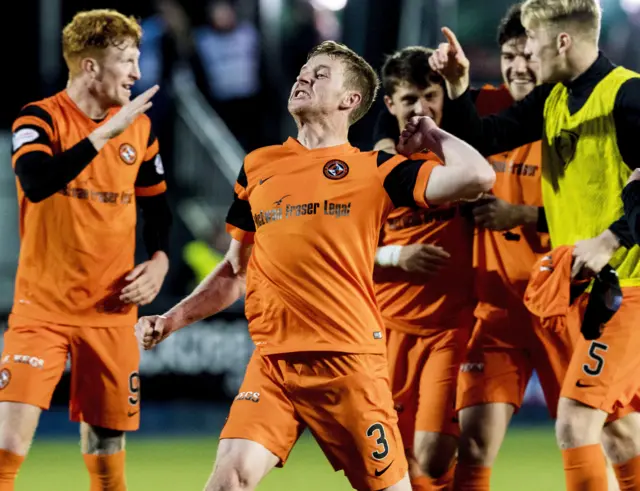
(399, 296)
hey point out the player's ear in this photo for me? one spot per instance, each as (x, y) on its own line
(563, 42)
(388, 101)
(351, 100)
(90, 66)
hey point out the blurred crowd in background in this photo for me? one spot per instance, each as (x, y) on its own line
(242, 57)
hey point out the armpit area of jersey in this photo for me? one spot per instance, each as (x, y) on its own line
(631, 199)
(157, 219)
(42, 175)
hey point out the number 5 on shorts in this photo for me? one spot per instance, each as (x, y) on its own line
(597, 357)
(377, 430)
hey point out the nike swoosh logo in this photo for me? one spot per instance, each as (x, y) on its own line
(279, 202)
(379, 472)
(579, 383)
(132, 413)
(262, 181)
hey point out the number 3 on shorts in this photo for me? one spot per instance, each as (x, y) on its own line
(377, 430)
(594, 371)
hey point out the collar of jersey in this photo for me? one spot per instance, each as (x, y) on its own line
(334, 151)
(69, 101)
(588, 80)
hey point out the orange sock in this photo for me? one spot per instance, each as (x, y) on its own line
(9, 465)
(421, 483)
(444, 482)
(472, 478)
(628, 474)
(585, 468)
(106, 472)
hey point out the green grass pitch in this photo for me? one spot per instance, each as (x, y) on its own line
(528, 461)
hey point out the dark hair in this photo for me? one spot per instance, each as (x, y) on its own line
(511, 26)
(409, 65)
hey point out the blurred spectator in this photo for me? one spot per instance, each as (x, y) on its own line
(166, 41)
(229, 48)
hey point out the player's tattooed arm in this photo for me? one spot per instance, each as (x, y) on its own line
(224, 285)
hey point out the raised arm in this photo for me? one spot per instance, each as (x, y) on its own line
(520, 124)
(465, 174)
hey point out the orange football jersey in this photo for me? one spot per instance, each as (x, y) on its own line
(408, 302)
(314, 217)
(78, 244)
(504, 260)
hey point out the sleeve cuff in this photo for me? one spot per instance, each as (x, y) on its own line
(240, 235)
(422, 180)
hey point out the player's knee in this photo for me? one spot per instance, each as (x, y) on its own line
(479, 448)
(435, 453)
(96, 440)
(483, 428)
(230, 476)
(18, 424)
(621, 438)
(238, 466)
(578, 425)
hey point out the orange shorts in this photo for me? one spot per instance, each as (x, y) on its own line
(105, 385)
(603, 374)
(505, 348)
(344, 400)
(424, 374)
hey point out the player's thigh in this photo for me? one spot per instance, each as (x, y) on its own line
(262, 412)
(496, 368)
(346, 401)
(406, 357)
(483, 428)
(621, 438)
(33, 361)
(602, 373)
(551, 353)
(240, 463)
(105, 383)
(18, 423)
(438, 382)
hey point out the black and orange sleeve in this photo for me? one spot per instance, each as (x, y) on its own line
(41, 170)
(405, 180)
(150, 187)
(150, 180)
(239, 220)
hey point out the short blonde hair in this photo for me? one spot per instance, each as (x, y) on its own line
(95, 30)
(586, 15)
(359, 75)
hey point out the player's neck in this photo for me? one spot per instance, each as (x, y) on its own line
(87, 103)
(322, 134)
(582, 61)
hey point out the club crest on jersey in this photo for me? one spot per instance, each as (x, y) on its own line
(128, 154)
(565, 146)
(335, 169)
(5, 378)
